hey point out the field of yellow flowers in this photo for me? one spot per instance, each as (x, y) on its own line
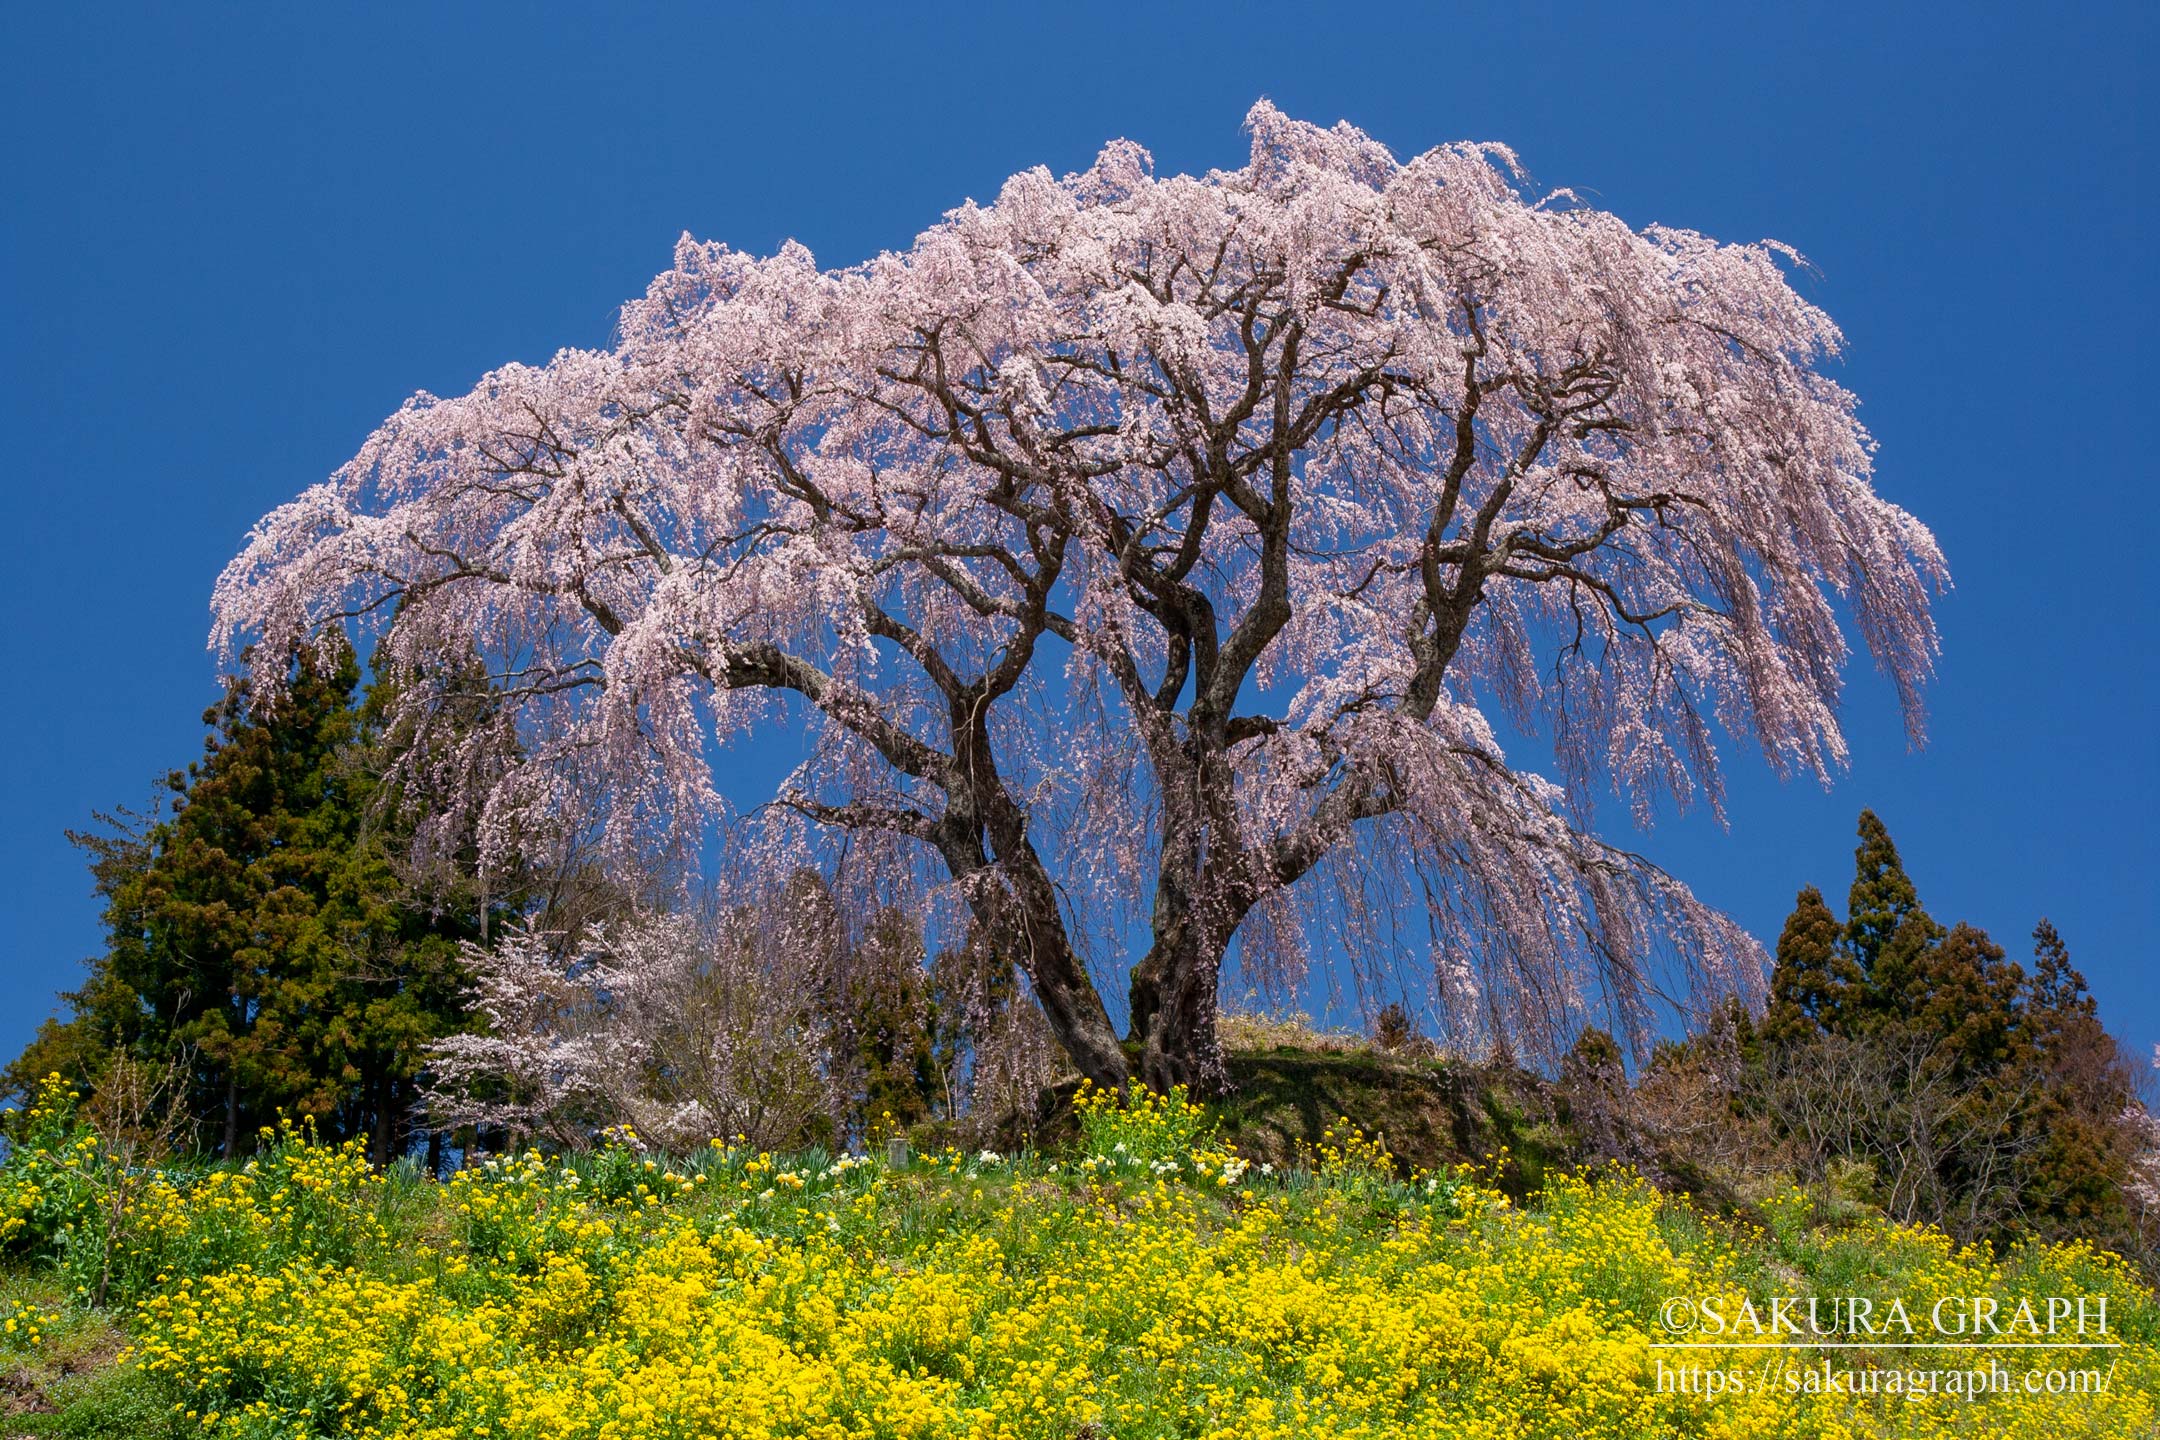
(1149, 1283)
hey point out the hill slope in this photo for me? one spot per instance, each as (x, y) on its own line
(1142, 1282)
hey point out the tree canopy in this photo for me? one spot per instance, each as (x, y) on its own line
(262, 946)
(2034, 1092)
(1156, 553)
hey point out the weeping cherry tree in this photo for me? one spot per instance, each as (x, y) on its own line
(1151, 560)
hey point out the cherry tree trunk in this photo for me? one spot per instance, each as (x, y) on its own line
(1074, 1009)
(1173, 1009)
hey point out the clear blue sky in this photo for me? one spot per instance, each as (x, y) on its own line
(230, 242)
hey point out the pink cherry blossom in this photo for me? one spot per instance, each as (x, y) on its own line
(1152, 554)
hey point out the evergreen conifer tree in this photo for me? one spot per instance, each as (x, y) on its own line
(2079, 1173)
(2059, 998)
(1961, 995)
(1887, 933)
(1882, 896)
(1815, 981)
(259, 940)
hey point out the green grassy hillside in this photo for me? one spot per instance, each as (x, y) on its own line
(1138, 1277)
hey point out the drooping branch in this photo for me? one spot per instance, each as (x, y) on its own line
(1158, 545)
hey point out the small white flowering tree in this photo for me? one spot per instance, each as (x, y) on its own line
(1159, 549)
(2143, 1187)
(658, 1024)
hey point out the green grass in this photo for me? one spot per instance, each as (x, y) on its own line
(69, 1384)
(1032, 1212)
